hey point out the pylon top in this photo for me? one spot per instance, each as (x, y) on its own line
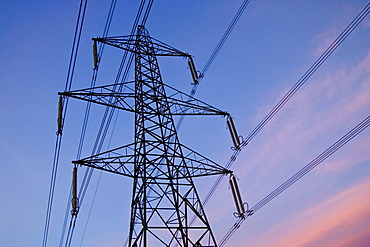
(131, 42)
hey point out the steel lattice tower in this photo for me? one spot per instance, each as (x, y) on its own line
(165, 209)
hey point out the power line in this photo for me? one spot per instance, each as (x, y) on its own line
(344, 34)
(309, 167)
(51, 190)
(70, 73)
(215, 52)
(225, 36)
(82, 136)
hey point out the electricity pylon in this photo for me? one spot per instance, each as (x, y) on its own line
(165, 209)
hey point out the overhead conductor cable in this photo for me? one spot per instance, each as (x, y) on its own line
(70, 73)
(344, 34)
(298, 175)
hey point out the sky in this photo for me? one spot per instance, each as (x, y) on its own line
(271, 47)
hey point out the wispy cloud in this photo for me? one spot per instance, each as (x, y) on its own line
(339, 221)
(324, 40)
(367, 22)
(325, 108)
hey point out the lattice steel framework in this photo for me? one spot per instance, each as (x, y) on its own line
(166, 208)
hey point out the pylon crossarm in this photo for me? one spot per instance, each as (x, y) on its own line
(131, 42)
(115, 100)
(118, 168)
(113, 96)
(119, 160)
(120, 96)
(122, 161)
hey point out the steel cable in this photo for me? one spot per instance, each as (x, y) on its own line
(83, 132)
(69, 79)
(309, 167)
(215, 52)
(224, 37)
(51, 189)
(354, 23)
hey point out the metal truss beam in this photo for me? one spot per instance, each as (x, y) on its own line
(122, 161)
(112, 95)
(131, 42)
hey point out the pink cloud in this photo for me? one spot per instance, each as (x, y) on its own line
(328, 106)
(339, 221)
(324, 39)
(344, 160)
(361, 239)
(367, 23)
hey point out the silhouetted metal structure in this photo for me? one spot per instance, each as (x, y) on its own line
(165, 208)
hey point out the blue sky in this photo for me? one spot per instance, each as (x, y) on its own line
(272, 46)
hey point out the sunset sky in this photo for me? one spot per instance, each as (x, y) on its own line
(271, 47)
